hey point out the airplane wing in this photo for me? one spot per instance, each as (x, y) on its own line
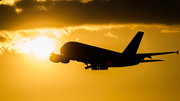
(148, 55)
(151, 60)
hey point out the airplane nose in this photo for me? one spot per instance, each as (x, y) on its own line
(53, 58)
(50, 58)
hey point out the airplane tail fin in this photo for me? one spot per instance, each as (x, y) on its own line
(134, 44)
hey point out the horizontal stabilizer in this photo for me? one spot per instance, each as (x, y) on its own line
(151, 60)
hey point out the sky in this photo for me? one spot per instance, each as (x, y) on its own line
(31, 29)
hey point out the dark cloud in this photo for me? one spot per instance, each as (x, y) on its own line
(74, 13)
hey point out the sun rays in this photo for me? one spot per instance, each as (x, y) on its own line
(42, 46)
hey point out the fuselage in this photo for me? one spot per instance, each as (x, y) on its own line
(97, 56)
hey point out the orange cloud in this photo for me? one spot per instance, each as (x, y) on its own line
(8, 2)
(21, 40)
(170, 31)
(109, 34)
(17, 41)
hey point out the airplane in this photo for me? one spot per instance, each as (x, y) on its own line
(101, 59)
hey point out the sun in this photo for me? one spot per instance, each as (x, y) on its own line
(42, 46)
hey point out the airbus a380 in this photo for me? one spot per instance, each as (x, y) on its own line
(100, 59)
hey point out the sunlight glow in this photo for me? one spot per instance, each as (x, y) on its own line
(42, 46)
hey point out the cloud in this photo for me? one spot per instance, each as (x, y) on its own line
(65, 13)
(170, 31)
(8, 2)
(95, 27)
(11, 3)
(20, 41)
(3, 38)
(109, 34)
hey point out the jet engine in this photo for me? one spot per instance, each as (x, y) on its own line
(59, 58)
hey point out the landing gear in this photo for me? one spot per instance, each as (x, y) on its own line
(96, 67)
(99, 68)
(87, 67)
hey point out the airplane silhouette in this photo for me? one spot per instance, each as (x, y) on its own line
(100, 59)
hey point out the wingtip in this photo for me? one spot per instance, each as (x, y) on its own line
(177, 52)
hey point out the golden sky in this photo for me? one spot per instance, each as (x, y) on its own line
(31, 29)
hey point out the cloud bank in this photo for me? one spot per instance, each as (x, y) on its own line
(19, 42)
(29, 14)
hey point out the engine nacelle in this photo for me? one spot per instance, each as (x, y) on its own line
(59, 58)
